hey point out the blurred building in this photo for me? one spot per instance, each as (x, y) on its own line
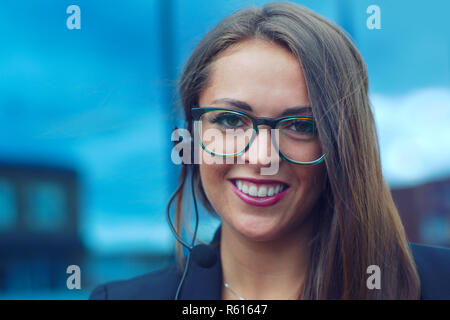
(39, 234)
(425, 212)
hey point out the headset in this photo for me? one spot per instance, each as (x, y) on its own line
(202, 254)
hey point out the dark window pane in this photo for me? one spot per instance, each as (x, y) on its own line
(8, 206)
(47, 209)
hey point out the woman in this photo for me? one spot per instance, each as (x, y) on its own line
(323, 223)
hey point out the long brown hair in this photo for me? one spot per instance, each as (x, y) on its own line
(357, 223)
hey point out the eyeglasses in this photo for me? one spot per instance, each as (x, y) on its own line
(229, 133)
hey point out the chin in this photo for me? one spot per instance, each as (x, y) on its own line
(256, 228)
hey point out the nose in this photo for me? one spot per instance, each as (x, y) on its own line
(262, 152)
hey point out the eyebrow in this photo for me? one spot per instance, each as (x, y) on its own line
(245, 106)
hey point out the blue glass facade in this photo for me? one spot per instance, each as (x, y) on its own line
(100, 103)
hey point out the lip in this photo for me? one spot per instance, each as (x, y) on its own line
(256, 201)
(260, 181)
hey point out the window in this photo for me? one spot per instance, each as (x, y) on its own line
(46, 207)
(8, 206)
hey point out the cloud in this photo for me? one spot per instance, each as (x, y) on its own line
(414, 134)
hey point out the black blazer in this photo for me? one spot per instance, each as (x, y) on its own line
(433, 264)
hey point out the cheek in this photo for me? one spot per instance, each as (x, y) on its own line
(311, 183)
(317, 177)
(212, 178)
(312, 176)
(213, 171)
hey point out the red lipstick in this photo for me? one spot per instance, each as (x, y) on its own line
(259, 201)
(259, 180)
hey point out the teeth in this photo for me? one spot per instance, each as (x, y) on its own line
(262, 191)
(253, 191)
(258, 190)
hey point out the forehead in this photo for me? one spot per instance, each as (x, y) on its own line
(264, 75)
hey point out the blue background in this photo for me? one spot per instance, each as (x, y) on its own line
(100, 102)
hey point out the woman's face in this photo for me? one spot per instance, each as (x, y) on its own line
(270, 80)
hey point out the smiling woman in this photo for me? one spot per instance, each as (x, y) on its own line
(313, 228)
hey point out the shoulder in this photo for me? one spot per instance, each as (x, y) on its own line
(433, 266)
(156, 285)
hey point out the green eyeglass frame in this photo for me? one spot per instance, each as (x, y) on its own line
(257, 121)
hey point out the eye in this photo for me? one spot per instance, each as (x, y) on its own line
(299, 128)
(303, 126)
(228, 120)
